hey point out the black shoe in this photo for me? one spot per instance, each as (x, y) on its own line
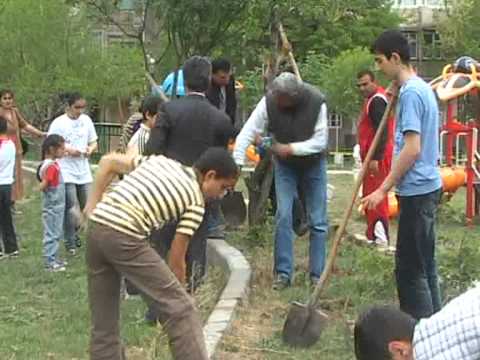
(281, 282)
(78, 243)
(151, 317)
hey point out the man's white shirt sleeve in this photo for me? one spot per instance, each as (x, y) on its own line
(254, 125)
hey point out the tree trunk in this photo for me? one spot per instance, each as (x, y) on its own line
(258, 185)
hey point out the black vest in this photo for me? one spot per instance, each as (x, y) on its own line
(297, 124)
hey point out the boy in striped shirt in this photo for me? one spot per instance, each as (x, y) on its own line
(156, 191)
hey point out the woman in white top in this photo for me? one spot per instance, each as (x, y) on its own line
(80, 142)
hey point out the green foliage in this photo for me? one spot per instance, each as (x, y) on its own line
(325, 27)
(48, 47)
(254, 87)
(460, 30)
(338, 78)
(458, 250)
(199, 26)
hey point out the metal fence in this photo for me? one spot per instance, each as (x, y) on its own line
(108, 138)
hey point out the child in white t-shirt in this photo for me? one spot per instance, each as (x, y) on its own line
(138, 142)
(7, 166)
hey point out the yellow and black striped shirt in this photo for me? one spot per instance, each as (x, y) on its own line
(158, 191)
(128, 130)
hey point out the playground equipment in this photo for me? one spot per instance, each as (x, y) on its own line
(452, 179)
(458, 90)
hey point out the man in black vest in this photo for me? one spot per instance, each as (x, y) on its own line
(295, 115)
(184, 129)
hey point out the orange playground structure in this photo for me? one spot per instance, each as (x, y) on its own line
(458, 91)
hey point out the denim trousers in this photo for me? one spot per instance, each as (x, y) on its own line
(215, 220)
(53, 211)
(415, 267)
(7, 230)
(313, 181)
(75, 196)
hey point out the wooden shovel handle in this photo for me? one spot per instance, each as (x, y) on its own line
(288, 49)
(152, 82)
(346, 216)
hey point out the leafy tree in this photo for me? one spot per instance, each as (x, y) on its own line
(338, 78)
(48, 48)
(460, 29)
(325, 27)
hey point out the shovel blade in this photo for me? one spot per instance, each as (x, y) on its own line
(234, 209)
(304, 325)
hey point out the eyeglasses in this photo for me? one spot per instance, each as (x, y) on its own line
(79, 107)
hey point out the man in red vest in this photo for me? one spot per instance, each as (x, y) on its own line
(373, 108)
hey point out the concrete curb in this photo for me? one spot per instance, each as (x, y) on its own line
(219, 253)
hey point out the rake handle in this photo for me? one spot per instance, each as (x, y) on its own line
(348, 212)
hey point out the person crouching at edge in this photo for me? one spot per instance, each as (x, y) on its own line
(156, 191)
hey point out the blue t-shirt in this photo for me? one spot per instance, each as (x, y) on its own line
(167, 85)
(418, 111)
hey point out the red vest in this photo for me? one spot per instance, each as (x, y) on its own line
(366, 131)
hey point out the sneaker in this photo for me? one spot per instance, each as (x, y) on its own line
(381, 243)
(314, 281)
(61, 262)
(55, 267)
(281, 282)
(13, 254)
(72, 252)
(151, 317)
(2, 255)
(78, 243)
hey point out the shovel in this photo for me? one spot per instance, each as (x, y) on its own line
(305, 322)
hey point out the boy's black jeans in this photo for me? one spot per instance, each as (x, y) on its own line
(6, 221)
(415, 267)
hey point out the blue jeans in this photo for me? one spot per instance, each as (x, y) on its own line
(75, 196)
(215, 220)
(415, 267)
(314, 183)
(53, 211)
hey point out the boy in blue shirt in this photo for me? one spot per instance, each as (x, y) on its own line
(416, 177)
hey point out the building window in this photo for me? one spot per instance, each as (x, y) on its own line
(431, 45)
(412, 38)
(406, 3)
(335, 121)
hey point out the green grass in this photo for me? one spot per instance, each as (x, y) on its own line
(45, 315)
(362, 277)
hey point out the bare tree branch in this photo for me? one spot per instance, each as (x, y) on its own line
(104, 13)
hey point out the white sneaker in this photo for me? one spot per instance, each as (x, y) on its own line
(56, 267)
